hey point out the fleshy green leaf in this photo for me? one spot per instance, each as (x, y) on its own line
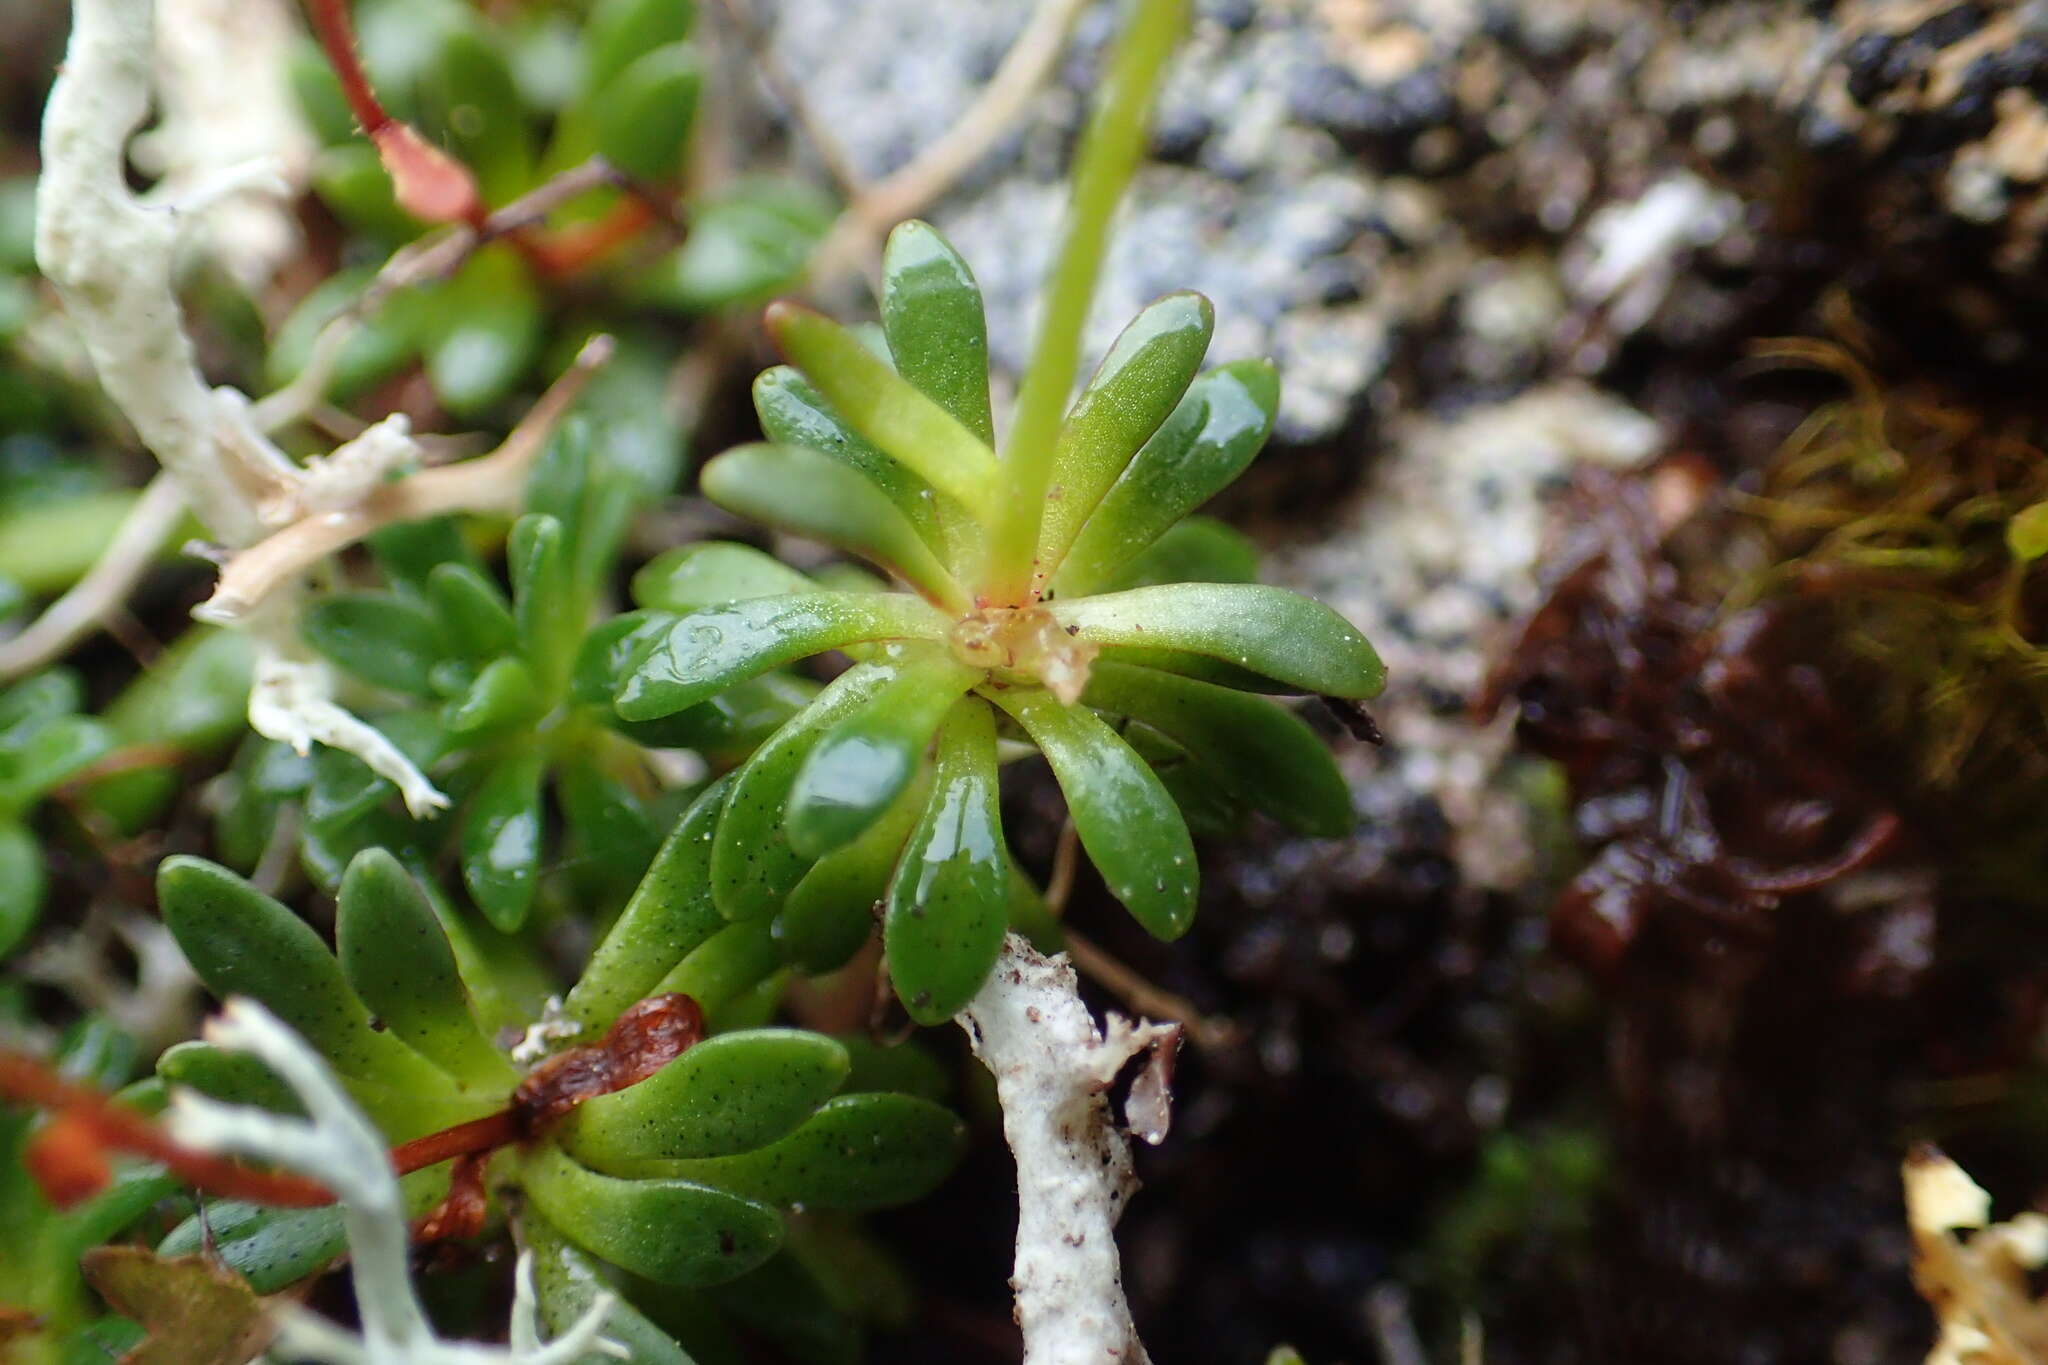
(948, 905)
(241, 942)
(620, 30)
(487, 332)
(475, 618)
(730, 971)
(643, 118)
(1196, 453)
(567, 1284)
(503, 696)
(276, 1248)
(673, 1232)
(882, 406)
(23, 883)
(398, 961)
(831, 912)
(1195, 550)
(612, 831)
(381, 638)
(745, 242)
(708, 651)
(670, 914)
(1127, 821)
(1294, 640)
(932, 316)
(711, 574)
(52, 756)
(753, 865)
(36, 701)
(812, 494)
(862, 764)
(483, 118)
(857, 1152)
(543, 600)
(794, 413)
(501, 840)
(728, 1094)
(231, 1077)
(1137, 386)
(1262, 751)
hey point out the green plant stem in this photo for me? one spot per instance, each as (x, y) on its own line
(1107, 159)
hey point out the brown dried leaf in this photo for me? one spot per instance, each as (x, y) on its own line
(195, 1311)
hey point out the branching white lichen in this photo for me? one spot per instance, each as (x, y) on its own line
(1052, 1066)
(111, 255)
(207, 126)
(338, 1147)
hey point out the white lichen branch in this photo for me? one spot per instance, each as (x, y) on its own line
(1052, 1067)
(111, 257)
(338, 1147)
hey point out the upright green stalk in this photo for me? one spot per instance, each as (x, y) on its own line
(1108, 156)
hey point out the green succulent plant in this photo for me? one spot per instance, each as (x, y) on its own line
(1017, 610)
(518, 101)
(496, 710)
(680, 1180)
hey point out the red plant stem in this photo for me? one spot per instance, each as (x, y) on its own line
(338, 40)
(464, 1139)
(90, 1122)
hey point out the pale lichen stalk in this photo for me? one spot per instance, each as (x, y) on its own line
(1052, 1067)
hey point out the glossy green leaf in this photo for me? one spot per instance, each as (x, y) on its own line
(643, 119)
(868, 1151)
(669, 914)
(831, 912)
(608, 651)
(731, 1093)
(550, 617)
(47, 758)
(753, 863)
(1195, 550)
(885, 408)
(710, 650)
(382, 638)
(1137, 386)
(612, 830)
(377, 348)
(786, 1305)
(949, 901)
(486, 333)
(711, 574)
(241, 942)
(729, 974)
(860, 766)
(195, 695)
(396, 958)
(567, 1284)
(23, 883)
(408, 552)
(1196, 453)
(231, 1077)
(475, 618)
(932, 316)
(674, 1232)
(797, 489)
(503, 696)
(732, 724)
(745, 243)
(1262, 751)
(36, 701)
(276, 1248)
(620, 30)
(1294, 640)
(484, 121)
(1127, 821)
(501, 840)
(352, 182)
(792, 412)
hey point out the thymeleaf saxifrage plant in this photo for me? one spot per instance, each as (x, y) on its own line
(1012, 613)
